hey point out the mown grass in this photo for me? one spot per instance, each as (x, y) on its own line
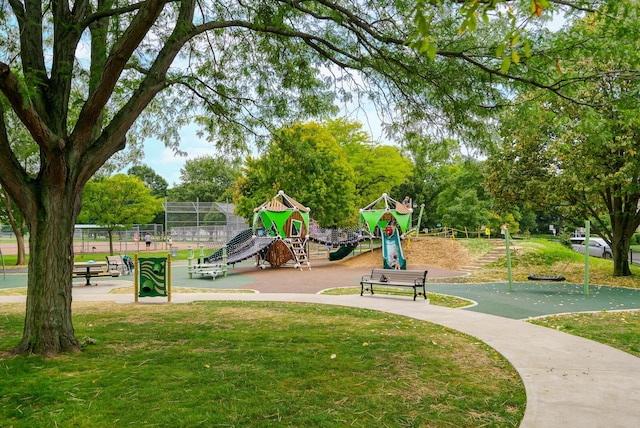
(544, 257)
(434, 298)
(620, 330)
(256, 365)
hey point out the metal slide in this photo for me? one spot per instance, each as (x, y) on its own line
(391, 245)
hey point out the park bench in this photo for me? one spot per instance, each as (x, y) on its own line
(118, 263)
(395, 278)
(89, 270)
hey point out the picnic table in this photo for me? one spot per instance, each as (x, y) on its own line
(92, 269)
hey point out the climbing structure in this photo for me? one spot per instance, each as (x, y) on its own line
(389, 219)
(282, 229)
(287, 221)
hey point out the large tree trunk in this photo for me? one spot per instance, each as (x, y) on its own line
(625, 218)
(620, 247)
(48, 328)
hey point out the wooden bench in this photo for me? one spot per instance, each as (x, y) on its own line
(395, 278)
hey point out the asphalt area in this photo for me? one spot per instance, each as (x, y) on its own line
(530, 299)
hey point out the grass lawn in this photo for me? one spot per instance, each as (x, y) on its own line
(256, 365)
(620, 330)
(543, 257)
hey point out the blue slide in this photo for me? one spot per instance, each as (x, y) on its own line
(391, 246)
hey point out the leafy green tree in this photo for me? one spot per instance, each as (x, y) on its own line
(307, 163)
(206, 178)
(581, 159)
(154, 182)
(380, 168)
(515, 36)
(461, 200)
(117, 203)
(9, 213)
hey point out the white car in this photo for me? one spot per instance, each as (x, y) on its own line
(597, 247)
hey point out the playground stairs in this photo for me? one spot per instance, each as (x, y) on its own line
(497, 252)
(299, 253)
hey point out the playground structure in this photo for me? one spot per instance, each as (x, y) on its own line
(282, 230)
(392, 220)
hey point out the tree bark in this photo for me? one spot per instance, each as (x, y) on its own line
(620, 245)
(48, 328)
(22, 255)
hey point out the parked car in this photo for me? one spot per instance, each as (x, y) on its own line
(598, 247)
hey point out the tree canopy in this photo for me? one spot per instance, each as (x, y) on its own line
(154, 182)
(581, 159)
(304, 160)
(206, 178)
(117, 203)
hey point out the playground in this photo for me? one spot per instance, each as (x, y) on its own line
(443, 259)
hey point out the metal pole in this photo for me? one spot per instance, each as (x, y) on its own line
(198, 219)
(166, 221)
(135, 277)
(509, 272)
(587, 232)
(168, 278)
(419, 219)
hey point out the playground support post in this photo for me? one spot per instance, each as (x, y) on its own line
(169, 278)
(136, 284)
(225, 269)
(587, 232)
(509, 272)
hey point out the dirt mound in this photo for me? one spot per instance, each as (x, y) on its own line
(444, 253)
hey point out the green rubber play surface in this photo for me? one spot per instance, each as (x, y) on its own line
(532, 299)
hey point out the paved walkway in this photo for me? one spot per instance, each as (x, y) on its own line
(569, 381)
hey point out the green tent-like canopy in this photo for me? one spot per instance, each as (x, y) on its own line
(372, 214)
(276, 212)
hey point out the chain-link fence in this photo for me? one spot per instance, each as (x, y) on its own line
(202, 224)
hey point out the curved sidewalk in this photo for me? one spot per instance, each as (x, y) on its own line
(569, 381)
